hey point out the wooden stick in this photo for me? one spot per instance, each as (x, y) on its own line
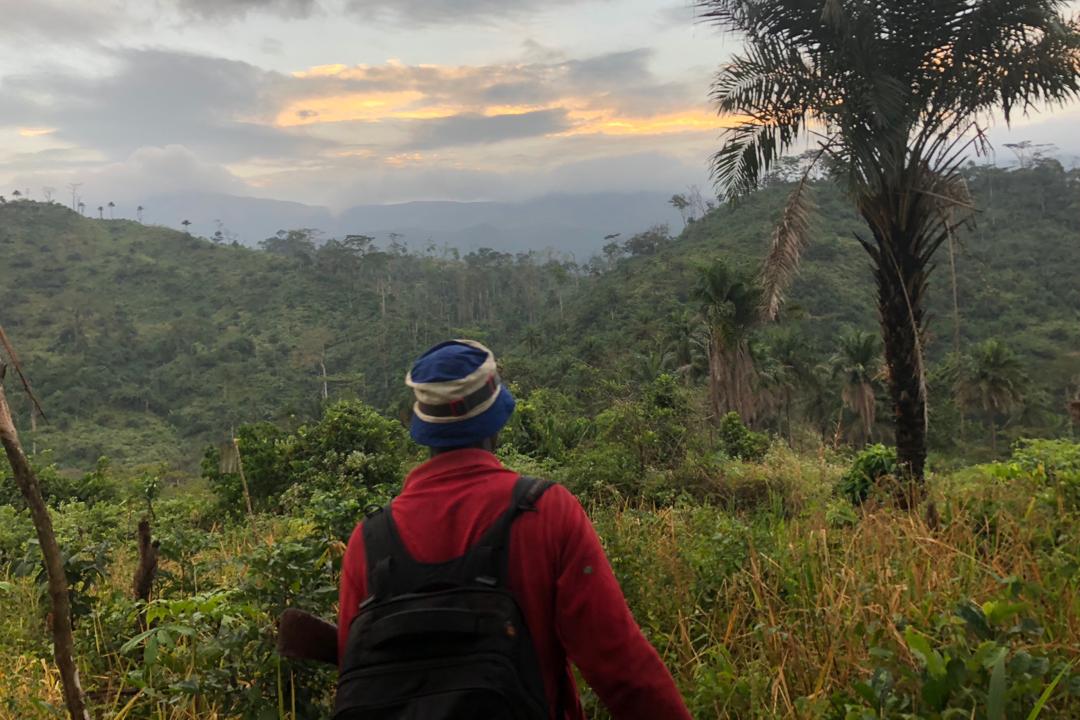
(54, 565)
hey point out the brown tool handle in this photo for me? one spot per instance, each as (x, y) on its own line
(302, 636)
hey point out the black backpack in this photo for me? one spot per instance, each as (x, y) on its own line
(443, 641)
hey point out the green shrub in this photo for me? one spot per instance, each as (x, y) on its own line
(352, 444)
(15, 530)
(546, 425)
(1055, 464)
(872, 465)
(740, 442)
(974, 663)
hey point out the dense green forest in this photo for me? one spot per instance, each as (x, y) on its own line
(145, 344)
(793, 585)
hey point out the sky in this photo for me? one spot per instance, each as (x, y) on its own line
(347, 102)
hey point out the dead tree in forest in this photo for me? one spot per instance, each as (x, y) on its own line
(60, 601)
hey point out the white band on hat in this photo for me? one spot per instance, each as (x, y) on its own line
(446, 392)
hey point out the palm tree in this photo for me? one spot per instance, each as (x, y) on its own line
(101, 212)
(993, 378)
(16, 194)
(139, 212)
(82, 208)
(688, 345)
(789, 354)
(186, 223)
(893, 91)
(111, 206)
(730, 304)
(857, 364)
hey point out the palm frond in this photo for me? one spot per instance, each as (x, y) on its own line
(771, 85)
(789, 239)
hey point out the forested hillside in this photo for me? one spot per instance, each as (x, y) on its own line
(145, 343)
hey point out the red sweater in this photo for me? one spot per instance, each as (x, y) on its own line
(558, 573)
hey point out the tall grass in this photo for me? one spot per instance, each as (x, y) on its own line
(775, 602)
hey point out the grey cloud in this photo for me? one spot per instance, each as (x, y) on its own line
(622, 80)
(425, 12)
(37, 20)
(414, 12)
(51, 159)
(158, 98)
(218, 9)
(611, 69)
(476, 129)
(147, 171)
(357, 182)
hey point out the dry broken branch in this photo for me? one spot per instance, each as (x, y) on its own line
(60, 601)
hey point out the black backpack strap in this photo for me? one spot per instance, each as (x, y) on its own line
(391, 570)
(487, 562)
(385, 553)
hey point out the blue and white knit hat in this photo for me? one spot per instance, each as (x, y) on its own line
(460, 399)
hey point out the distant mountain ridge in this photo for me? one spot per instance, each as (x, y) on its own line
(573, 224)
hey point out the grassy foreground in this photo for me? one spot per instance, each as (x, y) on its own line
(787, 603)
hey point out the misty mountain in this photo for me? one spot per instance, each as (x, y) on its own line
(568, 223)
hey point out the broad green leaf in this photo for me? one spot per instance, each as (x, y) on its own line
(150, 652)
(999, 611)
(134, 642)
(920, 647)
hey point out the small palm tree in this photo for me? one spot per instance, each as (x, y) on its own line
(112, 206)
(729, 303)
(16, 194)
(101, 212)
(688, 345)
(82, 208)
(139, 212)
(894, 92)
(789, 353)
(857, 364)
(992, 378)
(186, 223)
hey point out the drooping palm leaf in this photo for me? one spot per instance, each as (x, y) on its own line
(790, 238)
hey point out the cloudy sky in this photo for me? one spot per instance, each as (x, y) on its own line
(343, 102)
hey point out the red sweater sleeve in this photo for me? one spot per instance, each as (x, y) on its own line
(600, 635)
(353, 588)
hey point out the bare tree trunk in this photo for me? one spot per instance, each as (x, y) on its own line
(325, 386)
(145, 571)
(54, 566)
(955, 294)
(243, 482)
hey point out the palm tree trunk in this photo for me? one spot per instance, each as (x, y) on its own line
(901, 281)
(715, 382)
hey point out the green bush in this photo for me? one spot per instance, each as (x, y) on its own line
(870, 467)
(546, 425)
(1055, 464)
(351, 445)
(740, 442)
(974, 663)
